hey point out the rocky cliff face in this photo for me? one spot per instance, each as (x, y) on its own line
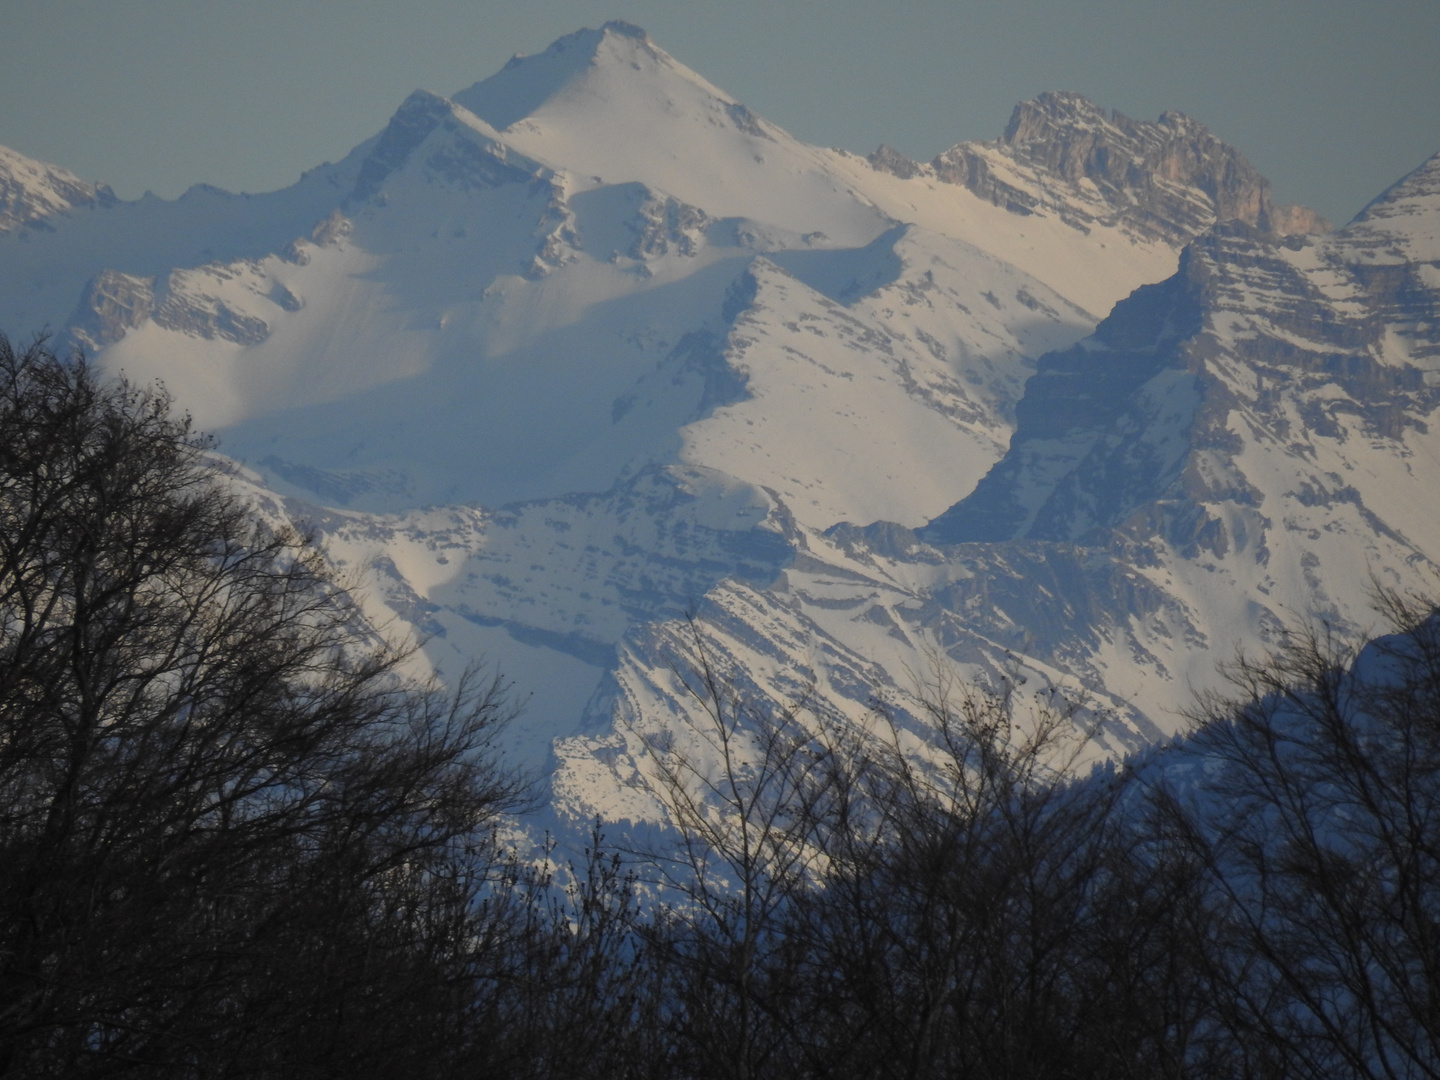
(1313, 340)
(1062, 154)
(186, 301)
(1252, 440)
(1391, 261)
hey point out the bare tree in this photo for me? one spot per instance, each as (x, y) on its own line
(739, 801)
(965, 886)
(1316, 817)
(916, 896)
(233, 841)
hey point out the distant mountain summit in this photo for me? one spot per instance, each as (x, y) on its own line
(526, 84)
(1063, 154)
(31, 191)
(589, 359)
(1391, 253)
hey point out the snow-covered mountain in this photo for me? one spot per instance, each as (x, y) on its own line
(589, 346)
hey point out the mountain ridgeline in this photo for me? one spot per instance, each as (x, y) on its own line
(587, 364)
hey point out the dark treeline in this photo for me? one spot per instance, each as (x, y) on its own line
(236, 842)
(1261, 899)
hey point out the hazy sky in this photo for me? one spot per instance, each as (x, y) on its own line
(1332, 99)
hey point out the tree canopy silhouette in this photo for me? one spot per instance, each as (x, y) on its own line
(233, 839)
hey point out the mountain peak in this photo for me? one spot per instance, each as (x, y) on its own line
(1170, 178)
(31, 190)
(527, 83)
(625, 29)
(1052, 110)
(1075, 137)
(1413, 194)
(418, 116)
(608, 106)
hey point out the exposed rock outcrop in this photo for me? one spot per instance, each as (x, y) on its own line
(1062, 154)
(888, 159)
(1265, 416)
(113, 304)
(1307, 339)
(116, 303)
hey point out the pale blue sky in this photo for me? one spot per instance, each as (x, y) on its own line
(1333, 99)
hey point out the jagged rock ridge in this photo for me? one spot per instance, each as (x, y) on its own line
(1063, 154)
